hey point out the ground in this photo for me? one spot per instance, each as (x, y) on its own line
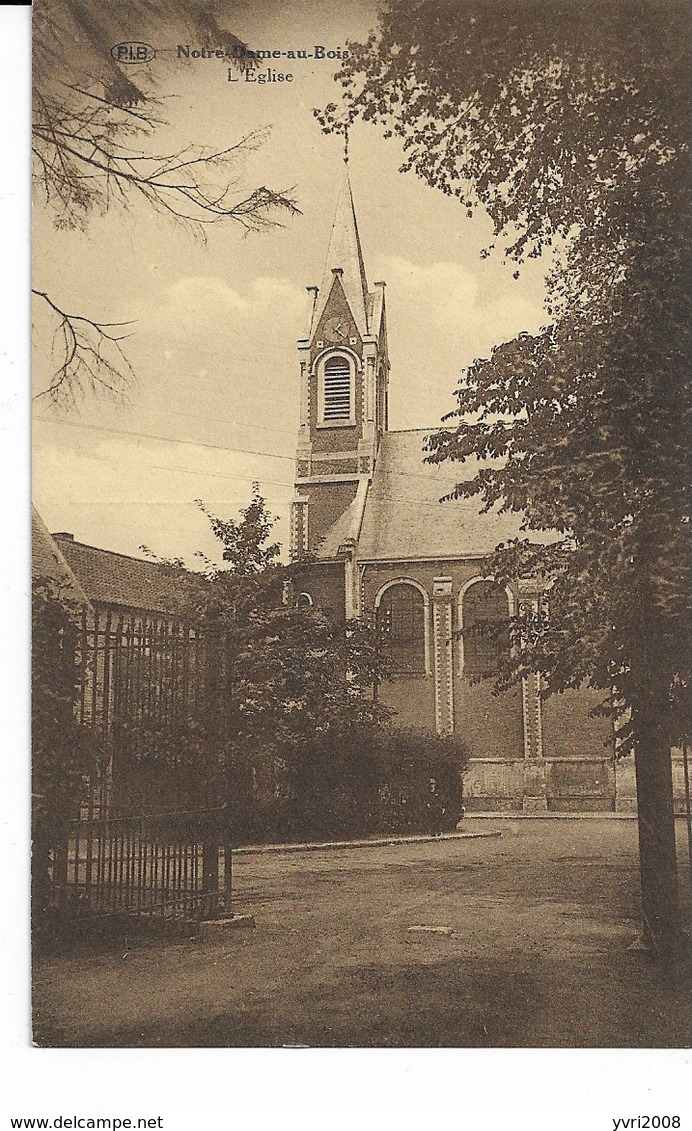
(542, 918)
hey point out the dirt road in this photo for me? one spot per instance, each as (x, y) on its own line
(535, 954)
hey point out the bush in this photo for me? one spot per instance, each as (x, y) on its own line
(365, 780)
(353, 780)
(420, 786)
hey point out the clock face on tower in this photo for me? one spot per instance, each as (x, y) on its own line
(337, 330)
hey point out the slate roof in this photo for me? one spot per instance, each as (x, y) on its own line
(404, 518)
(347, 526)
(345, 251)
(117, 579)
(47, 560)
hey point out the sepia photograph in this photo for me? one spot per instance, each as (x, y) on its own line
(360, 604)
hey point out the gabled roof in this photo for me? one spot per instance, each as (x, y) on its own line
(404, 518)
(117, 579)
(48, 561)
(344, 251)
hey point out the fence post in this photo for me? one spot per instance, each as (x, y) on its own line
(61, 864)
(210, 875)
(228, 877)
(46, 879)
(227, 834)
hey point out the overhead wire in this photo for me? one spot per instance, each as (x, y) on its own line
(448, 482)
(163, 439)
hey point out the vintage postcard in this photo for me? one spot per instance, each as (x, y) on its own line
(360, 536)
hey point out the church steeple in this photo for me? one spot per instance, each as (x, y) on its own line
(345, 259)
(343, 403)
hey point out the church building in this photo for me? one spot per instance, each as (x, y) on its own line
(378, 541)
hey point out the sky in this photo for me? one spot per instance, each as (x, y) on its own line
(214, 325)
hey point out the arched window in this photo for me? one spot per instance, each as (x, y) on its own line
(336, 389)
(304, 601)
(485, 627)
(401, 622)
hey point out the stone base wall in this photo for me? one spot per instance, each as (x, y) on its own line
(496, 783)
(626, 794)
(566, 785)
(540, 785)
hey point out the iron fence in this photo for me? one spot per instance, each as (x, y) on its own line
(168, 865)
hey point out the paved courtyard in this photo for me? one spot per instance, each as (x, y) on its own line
(540, 920)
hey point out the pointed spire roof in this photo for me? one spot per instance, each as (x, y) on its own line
(345, 252)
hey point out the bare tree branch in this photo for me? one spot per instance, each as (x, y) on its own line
(93, 149)
(84, 164)
(90, 355)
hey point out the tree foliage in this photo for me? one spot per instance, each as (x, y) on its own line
(569, 123)
(61, 753)
(244, 542)
(289, 671)
(278, 676)
(94, 145)
(540, 112)
(290, 733)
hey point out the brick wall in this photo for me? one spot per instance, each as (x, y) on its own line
(569, 729)
(325, 584)
(327, 503)
(413, 699)
(491, 724)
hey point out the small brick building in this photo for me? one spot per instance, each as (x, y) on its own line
(367, 511)
(141, 657)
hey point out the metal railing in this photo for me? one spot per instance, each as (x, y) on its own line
(171, 865)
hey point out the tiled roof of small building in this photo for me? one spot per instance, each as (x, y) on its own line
(47, 561)
(116, 579)
(404, 518)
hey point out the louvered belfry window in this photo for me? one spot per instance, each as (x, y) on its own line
(337, 389)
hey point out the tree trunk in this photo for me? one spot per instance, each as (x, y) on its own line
(657, 855)
(649, 700)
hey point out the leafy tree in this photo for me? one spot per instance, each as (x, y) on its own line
(278, 677)
(61, 752)
(244, 542)
(290, 732)
(288, 672)
(291, 661)
(569, 123)
(94, 148)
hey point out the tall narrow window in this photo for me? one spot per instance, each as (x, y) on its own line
(401, 619)
(336, 396)
(382, 400)
(485, 627)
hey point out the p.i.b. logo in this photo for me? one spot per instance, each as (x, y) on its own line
(133, 52)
